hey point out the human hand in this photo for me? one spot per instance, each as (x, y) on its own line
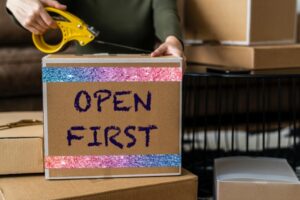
(172, 47)
(32, 15)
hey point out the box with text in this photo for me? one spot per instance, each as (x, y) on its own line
(112, 116)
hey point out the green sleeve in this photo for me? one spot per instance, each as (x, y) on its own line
(166, 19)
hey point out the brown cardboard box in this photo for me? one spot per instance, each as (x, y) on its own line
(21, 149)
(252, 57)
(243, 22)
(112, 116)
(255, 178)
(159, 188)
(298, 28)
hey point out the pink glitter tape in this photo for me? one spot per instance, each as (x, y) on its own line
(111, 74)
(112, 161)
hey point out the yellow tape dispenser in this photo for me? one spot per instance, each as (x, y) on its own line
(72, 29)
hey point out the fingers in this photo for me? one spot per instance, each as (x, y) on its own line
(33, 30)
(36, 25)
(54, 4)
(42, 24)
(47, 19)
(32, 15)
(160, 51)
(175, 52)
(172, 50)
(167, 49)
(39, 21)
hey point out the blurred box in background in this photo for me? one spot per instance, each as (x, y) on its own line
(243, 22)
(21, 149)
(248, 178)
(247, 57)
(159, 188)
(298, 31)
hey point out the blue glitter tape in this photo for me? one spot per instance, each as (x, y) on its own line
(113, 161)
(111, 74)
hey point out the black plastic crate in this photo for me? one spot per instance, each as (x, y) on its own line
(238, 114)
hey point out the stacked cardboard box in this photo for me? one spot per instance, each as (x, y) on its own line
(104, 116)
(21, 148)
(250, 34)
(246, 57)
(35, 187)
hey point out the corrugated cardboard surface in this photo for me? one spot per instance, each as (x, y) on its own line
(165, 114)
(216, 20)
(241, 22)
(245, 178)
(159, 188)
(21, 149)
(252, 57)
(273, 20)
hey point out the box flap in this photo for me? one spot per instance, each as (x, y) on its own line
(254, 169)
(21, 132)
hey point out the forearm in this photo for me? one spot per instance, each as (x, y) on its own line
(166, 19)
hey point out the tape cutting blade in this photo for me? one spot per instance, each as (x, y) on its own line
(123, 46)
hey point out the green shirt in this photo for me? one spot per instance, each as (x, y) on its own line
(136, 23)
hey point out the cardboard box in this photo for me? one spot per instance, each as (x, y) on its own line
(252, 57)
(298, 28)
(112, 116)
(255, 178)
(243, 22)
(21, 149)
(194, 68)
(159, 188)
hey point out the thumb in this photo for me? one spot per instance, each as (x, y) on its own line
(160, 51)
(54, 4)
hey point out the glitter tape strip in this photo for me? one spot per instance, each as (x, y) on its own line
(113, 161)
(111, 74)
